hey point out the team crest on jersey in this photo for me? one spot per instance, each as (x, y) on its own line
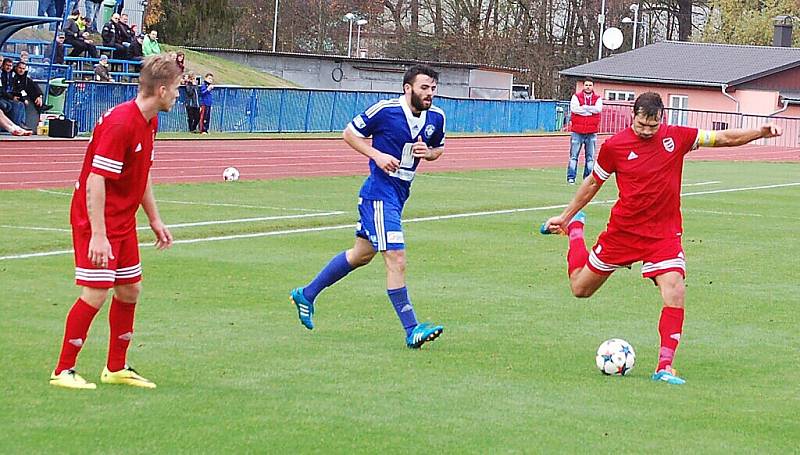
(669, 144)
(429, 130)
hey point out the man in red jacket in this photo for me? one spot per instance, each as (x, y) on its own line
(585, 107)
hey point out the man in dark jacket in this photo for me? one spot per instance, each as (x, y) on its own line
(77, 39)
(112, 37)
(9, 99)
(28, 90)
(58, 59)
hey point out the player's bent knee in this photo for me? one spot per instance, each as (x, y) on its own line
(582, 292)
(396, 261)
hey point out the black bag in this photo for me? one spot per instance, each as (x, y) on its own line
(62, 127)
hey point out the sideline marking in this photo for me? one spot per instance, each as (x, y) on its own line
(209, 204)
(412, 220)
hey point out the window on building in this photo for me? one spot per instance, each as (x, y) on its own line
(677, 110)
(619, 95)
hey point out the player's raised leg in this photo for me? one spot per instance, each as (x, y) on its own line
(338, 268)
(670, 325)
(76, 329)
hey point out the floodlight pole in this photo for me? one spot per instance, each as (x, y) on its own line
(635, 9)
(601, 19)
(275, 28)
(350, 37)
(360, 22)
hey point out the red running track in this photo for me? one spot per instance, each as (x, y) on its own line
(51, 164)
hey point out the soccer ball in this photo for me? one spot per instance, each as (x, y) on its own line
(615, 357)
(230, 174)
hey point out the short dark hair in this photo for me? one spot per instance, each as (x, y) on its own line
(416, 70)
(7, 60)
(209, 74)
(20, 63)
(588, 79)
(648, 104)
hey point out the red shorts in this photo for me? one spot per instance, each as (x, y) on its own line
(617, 250)
(125, 268)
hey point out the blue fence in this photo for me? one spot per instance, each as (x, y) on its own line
(238, 109)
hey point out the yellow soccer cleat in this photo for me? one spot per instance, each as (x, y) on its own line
(126, 376)
(70, 380)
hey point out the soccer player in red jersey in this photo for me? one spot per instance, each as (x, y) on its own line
(113, 183)
(645, 223)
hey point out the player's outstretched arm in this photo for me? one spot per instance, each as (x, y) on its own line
(384, 161)
(583, 196)
(163, 235)
(737, 136)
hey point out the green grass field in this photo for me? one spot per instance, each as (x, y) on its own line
(513, 373)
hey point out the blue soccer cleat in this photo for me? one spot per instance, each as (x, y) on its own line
(423, 333)
(579, 217)
(668, 376)
(305, 309)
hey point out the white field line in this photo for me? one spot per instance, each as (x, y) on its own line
(34, 228)
(412, 220)
(715, 212)
(193, 224)
(208, 204)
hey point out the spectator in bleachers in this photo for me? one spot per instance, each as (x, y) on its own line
(60, 4)
(135, 50)
(113, 36)
(28, 90)
(79, 41)
(206, 100)
(120, 6)
(127, 32)
(180, 58)
(9, 99)
(11, 127)
(101, 72)
(192, 101)
(59, 57)
(92, 7)
(24, 56)
(150, 46)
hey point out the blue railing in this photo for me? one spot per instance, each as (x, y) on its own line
(238, 109)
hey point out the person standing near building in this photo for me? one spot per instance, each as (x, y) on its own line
(585, 107)
(114, 182)
(191, 101)
(206, 100)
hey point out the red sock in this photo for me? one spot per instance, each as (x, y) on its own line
(79, 319)
(120, 321)
(669, 327)
(577, 256)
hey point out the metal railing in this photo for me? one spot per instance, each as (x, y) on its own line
(618, 116)
(243, 109)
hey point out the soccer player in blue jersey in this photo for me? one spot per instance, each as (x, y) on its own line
(404, 131)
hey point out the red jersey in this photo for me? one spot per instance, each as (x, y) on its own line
(649, 180)
(121, 150)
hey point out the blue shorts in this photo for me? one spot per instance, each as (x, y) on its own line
(380, 224)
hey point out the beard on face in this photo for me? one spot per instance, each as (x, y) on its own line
(419, 102)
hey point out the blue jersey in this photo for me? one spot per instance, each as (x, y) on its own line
(394, 129)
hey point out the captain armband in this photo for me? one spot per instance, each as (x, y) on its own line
(706, 138)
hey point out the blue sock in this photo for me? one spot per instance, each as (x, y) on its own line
(402, 305)
(337, 269)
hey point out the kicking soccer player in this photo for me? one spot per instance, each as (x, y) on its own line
(645, 223)
(114, 181)
(403, 130)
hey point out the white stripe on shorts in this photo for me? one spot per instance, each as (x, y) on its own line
(600, 265)
(679, 263)
(380, 228)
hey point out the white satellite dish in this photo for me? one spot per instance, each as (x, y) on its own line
(612, 38)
